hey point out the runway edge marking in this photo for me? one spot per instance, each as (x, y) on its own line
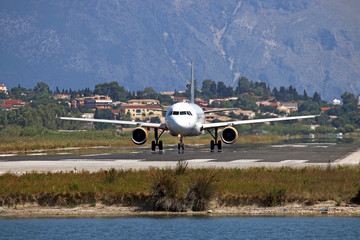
(200, 160)
(294, 161)
(246, 160)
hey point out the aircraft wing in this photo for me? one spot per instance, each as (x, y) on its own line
(139, 124)
(233, 123)
(220, 110)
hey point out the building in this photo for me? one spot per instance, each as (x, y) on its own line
(62, 96)
(288, 107)
(180, 99)
(142, 112)
(336, 102)
(3, 88)
(202, 103)
(12, 104)
(324, 109)
(144, 101)
(77, 102)
(218, 101)
(98, 101)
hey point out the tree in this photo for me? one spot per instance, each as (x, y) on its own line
(208, 89)
(305, 96)
(226, 104)
(103, 114)
(57, 90)
(3, 95)
(42, 88)
(316, 97)
(112, 89)
(348, 98)
(349, 128)
(223, 91)
(246, 102)
(148, 92)
(165, 99)
(243, 86)
(188, 90)
(310, 106)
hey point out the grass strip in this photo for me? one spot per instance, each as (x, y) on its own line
(229, 187)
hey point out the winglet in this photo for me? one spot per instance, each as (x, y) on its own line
(192, 83)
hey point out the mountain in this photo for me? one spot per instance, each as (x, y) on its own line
(309, 44)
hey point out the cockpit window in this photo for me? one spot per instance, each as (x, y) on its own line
(180, 113)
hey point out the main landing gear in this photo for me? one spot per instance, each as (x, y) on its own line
(157, 143)
(215, 142)
(181, 145)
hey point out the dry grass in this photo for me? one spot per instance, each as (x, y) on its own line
(261, 186)
(54, 140)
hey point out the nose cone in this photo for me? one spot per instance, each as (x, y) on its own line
(181, 126)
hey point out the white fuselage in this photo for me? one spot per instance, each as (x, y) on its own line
(185, 119)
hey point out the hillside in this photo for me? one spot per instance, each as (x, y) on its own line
(311, 44)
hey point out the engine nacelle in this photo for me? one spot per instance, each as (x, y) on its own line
(229, 135)
(139, 135)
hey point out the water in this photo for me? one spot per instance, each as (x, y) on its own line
(182, 228)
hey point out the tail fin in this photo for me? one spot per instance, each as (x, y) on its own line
(192, 100)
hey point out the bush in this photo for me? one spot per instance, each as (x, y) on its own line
(356, 199)
(181, 167)
(111, 175)
(275, 197)
(349, 128)
(201, 192)
(163, 193)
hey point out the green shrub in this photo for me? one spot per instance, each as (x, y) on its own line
(201, 192)
(181, 167)
(356, 199)
(275, 197)
(111, 175)
(163, 193)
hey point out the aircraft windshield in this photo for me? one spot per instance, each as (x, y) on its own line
(180, 113)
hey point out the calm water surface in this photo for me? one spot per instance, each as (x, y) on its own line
(182, 228)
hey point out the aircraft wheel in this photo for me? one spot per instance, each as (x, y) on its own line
(182, 146)
(212, 145)
(219, 146)
(160, 145)
(153, 146)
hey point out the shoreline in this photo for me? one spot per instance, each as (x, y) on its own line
(102, 211)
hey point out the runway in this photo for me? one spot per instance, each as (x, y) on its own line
(254, 155)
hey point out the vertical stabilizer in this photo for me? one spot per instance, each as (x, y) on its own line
(192, 100)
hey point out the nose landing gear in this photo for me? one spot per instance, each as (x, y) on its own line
(181, 145)
(215, 142)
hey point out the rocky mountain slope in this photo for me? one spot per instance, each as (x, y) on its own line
(310, 44)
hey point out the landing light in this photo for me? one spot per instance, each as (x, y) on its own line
(179, 135)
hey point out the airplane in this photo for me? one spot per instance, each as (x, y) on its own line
(187, 119)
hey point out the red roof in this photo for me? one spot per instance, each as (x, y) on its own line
(273, 105)
(2, 85)
(13, 101)
(6, 105)
(325, 108)
(141, 106)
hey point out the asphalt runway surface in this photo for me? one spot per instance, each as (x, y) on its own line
(199, 156)
(300, 152)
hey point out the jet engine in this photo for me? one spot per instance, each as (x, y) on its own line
(229, 135)
(139, 135)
